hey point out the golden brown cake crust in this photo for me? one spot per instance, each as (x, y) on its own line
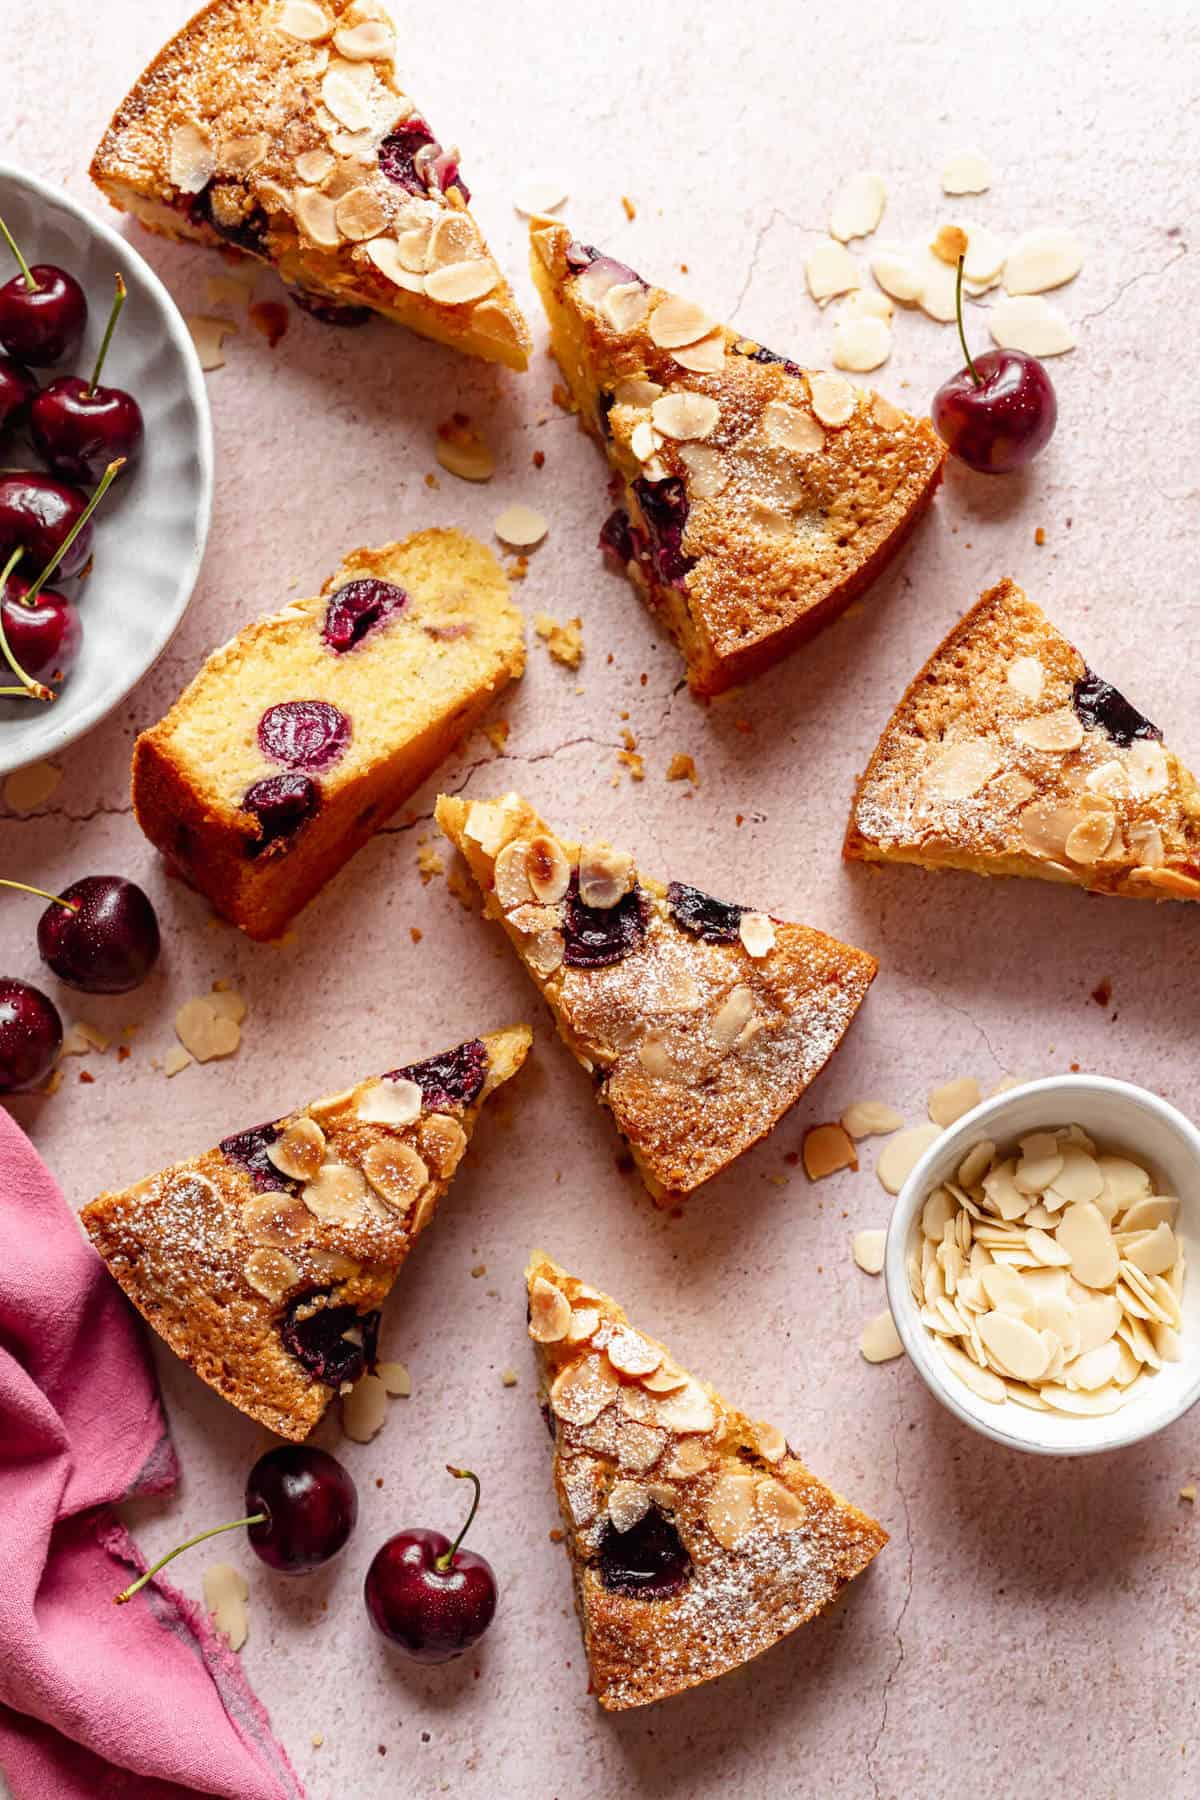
(411, 690)
(699, 1044)
(799, 487)
(222, 1252)
(641, 1446)
(1008, 756)
(259, 126)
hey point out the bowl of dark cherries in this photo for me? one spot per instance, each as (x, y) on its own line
(105, 469)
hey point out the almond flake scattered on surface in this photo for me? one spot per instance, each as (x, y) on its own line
(830, 270)
(521, 526)
(857, 206)
(227, 1002)
(204, 1031)
(228, 290)
(899, 273)
(364, 1409)
(938, 284)
(683, 768)
(564, 642)
(462, 451)
(1187, 1493)
(208, 335)
(871, 1118)
(28, 788)
(176, 1060)
(861, 344)
(868, 1250)
(80, 1038)
(954, 1098)
(395, 1378)
(966, 172)
(429, 863)
(508, 1377)
(866, 303)
(1042, 259)
(539, 195)
(901, 1154)
(1027, 322)
(825, 1150)
(880, 1341)
(226, 1591)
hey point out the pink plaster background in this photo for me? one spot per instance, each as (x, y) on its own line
(1032, 1626)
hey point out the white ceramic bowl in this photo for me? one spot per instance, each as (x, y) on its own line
(152, 525)
(1119, 1117)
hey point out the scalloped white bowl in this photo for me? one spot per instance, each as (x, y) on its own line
(1120, 1117)
(151, 528)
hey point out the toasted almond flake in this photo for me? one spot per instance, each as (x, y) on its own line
(861, 344)
(966, 172)
(204, 1032)
(1042, 259)
(364, 1409)
(1052, 731)
(1031, 324)
(336, 1194)
(303, 20)
(396, 1172)
(389, 258)
(458, 283)
(453, 239)
(826, 1149)
(274, 1218)
(880, 1341)
(549, 1312)
(705, 357)
(868, 1250)
(857, 207)
(734, 1015)
(950, 1101)
(834, 400)
(538, 195)
(683, 414)
(792, 428)
(757, 934)
(899, 274)
(359, 214)
(687, 1410)
(345, 99)
(521, 526)
(465, 454)
(901, 1154)
(1088, 841)
(389, 1103)
(192, 160)
(1026, 676)
(830, 270)
(631, 1353)
(628, 1501)
(1146, 763)
(729, 1509)
(208, 334)
(871, 1118)
(370, 41)
(28, 788)
(676, 322)
(582, 1390)
(316, 215)
(226, 1591)
(707, 473)
(959, 771)
(625, 306)
(270, 1273)
(300, 1150)
(238, 155)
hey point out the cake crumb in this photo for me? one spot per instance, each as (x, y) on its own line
(175, 1060)
(431, 481)
(86, 1076)
(557, 1534)
(318, 1738)
(634, 763)
(1188, 1492)
(429, 862)
(561, 397)
(508, 1377)
(682, 768)
(415, 933)
(81, 1037)
(123, 1053)
(564, 642)
(52, 1082)
(538, 459)
(629, 208)
(1039, 536)
(478, 1270)
(462, 451)
(459, 884)
(497, 733)
(628, 739)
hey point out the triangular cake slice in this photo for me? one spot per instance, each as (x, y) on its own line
(282, 129)
(264, 1262)
(697, 1537)
(755, 499)
(700, 1022)
(1008, 755)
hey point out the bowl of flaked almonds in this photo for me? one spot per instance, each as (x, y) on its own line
(1038, 1260)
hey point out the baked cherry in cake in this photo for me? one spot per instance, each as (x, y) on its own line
(697, 1538)
(1009, 755)
(282, 129)
(700, 1021)
(754, 499)
(299, 738)
(264, 1262)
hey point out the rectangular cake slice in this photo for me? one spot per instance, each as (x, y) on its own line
(700, 1021)
(263, 1263)
(304, 733)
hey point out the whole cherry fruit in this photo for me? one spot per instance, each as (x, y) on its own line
(44, 634)
(100, 934)
(37, 513)
(998, 412)
(426, 1595)
(78, 427)
(31, 1035)
(17, 388)
(43, 311)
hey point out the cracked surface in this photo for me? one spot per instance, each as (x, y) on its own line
(997, 1582)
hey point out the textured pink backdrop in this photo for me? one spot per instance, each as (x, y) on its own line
(1033, 1625)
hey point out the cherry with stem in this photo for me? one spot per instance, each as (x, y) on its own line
(79, 426)
(43, 310)
(427, 1594)
(998, 411)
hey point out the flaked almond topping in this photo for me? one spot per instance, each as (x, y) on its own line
(833, 399)
(792, 428)
(1031, 324)
(769, 1441)
(1088, 841)
(966, 172)
(545, 953)
(687, 1410)
(443, 1143)
(826, 1149)
(676, 322)
(656, 1059)
(414, 238)
(453, 240)
(664, 1380)
(359, 214)
(734, 1014)
(331, 1265)
(705, 357)
(692, 1457)
(192, 162)
(226, 1591)
(384, 252)
(582, 1390)
(510, 875)
(584, 1321)
(547, 869)
(954, 1098)
(270, 1273)
(635, 391)
(345, 99)
(830, 269)
(1145, 841)
(1042, 259)
(605, 875)
(1052, 731)
(778, 1507)
(549, 1312)
(1046, 828)
(273, 1218)
(706, 471)
(861, 344)
(331, 1103)
(625, 305)
(631, 1353)
(959, 771)
(366, 42)
(1026, 676)
(336, 1193)
(389, 1103)
(729, 1509)
(316, 215)
(456, 284)
(887, 416)
(871, 1118)
(899, 274)
(1109, 779)
(492, 823)
(628, 1502)
(683, 414)
(364, 1409)
(300, 1150)
(1146, 763)
(241, 154)
(304, 21)
(396, 1173)
(644, 441)
(757, 933)
(204, 1031)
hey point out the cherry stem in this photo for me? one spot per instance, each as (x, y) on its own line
(976, 377)
(258, 1518)
(24, 888)
(31, 689)
(106, 340)
(11, 241)
(106, 480)
(446, 1559)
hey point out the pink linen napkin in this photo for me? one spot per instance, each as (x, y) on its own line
(97, 1701)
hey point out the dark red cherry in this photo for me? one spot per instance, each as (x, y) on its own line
(30, 1035)
(310, 1505)
(281, 804)
(428, 1596)
(999, 411)
(596, 936)
(1100, 706)
(411, 157)
(44, 637)
(334, 1343)
(43, 311)
(17, 388)
(37, 513)
(716, 921)
(249, 1150)
(100, 934)
(452, 1079)
(354, 609)
(664, 507)
(648, 1561)
(303, 734)
(79, 427)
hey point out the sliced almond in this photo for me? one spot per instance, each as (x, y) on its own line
(1026, 676)
(757, 933)
(238, 155)
(396, 1173)
(880, 1341)
(861, 344)
(631, 1353)
(705, 357)
(830, 270)
(729, 1509)
(345, 99)
(192, 161)
(456, 284)
(857, 207)
(980, 1381)
(359, 214)
(303, 20)
(364, 1409)
(1052, 731)
(966, 172)
(521, 526)
(898, 273)
(833, 399)
(225, 1594)
(336, 1194)
(707, 472)
(316, 215)
(950, 1101)
(959, 771)
(582, 1390)
(1042, 259)
(510, 875)
(1031, 324)
(1155, 1253)
(676, 322)
(395, 1103)
(687, 1410)
(1085, 1236)
(734, 1014)
(871, 1118)
(273, 1218)
(1147, 767)
(300, 1150)
(683, 414)
(1016, 1346)
(385, 253)
(792, 428)
(868, 1250)
(628, 1501)
(204, 1032)
(901, 1154)
(625, 306)
(826, 1149)
(370, 41)
(270, 1273)
(537, 196)
(395, 1378)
